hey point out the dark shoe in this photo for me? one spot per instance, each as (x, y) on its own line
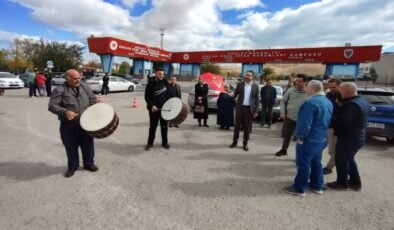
(166, 146)
(336, 186)
(292, 191)
(91, 167)
(205, 125)
(221, 127)
(354, 186)
(170, 125)
(148, 146)
(281, 153)
(199, 124)
(69, 173)
(326, 171)
(233, 145)
(269, 126)
(176, 126)
(245, 148)
(227, 128)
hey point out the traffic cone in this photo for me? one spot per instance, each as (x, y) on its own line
(100, 98)
(135, 104)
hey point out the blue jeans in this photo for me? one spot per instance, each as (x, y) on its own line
(309, 167)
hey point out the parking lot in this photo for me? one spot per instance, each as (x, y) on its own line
(197, 184)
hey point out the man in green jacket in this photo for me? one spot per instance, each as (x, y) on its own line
(289, 106)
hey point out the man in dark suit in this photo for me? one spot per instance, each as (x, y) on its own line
(247, 94)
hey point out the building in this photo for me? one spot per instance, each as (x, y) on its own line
(385, 68)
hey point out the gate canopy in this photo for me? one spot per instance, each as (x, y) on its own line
(343, 54)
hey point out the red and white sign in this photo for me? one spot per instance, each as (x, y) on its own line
(345, 54)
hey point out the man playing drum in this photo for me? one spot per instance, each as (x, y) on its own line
(68, 101)
(156, 94)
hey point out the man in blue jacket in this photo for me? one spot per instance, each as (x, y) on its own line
(314, 118)
(267, 98)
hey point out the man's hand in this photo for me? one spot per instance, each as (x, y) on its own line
(154, 109)
(255, 115)
(70, 115)
(282, 116)
(231, 94)
(300, 142)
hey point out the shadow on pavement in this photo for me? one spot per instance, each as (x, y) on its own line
(120, 149)
(27, 171)
(257, 171)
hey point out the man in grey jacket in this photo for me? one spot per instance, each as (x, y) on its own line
(247, 94)
(68, 101)
(289, 106)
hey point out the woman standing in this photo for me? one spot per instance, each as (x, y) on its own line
(201, 102)
(226, 104)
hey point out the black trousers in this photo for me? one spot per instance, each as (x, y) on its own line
(154, 118)
(266, 114)
(104, 89)
(49, 89)
(289, 126)
(73, 137)
(244, 118)
(345, 152)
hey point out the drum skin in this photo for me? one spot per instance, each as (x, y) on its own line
(175, 111)
(99, 120)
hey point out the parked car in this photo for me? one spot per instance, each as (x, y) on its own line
(24, 77)
(58, 78)
(114, 84)
(9, 81)
(381, 113)
(278, 99)
(215, 87)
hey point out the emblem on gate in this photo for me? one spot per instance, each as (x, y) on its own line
(186, 57)
(113, 45)
(348, 53)
(373, 108)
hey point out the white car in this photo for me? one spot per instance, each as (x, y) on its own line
(278, 99)
(115, 84)
(9, 80)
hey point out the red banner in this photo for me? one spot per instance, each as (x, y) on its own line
(118, 47)
(345, 54)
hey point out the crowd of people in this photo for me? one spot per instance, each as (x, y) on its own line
(316, 117)
(39, 83)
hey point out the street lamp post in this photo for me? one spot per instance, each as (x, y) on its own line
(162, 35)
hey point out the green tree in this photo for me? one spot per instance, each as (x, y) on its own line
(373, 74)
(210, 67)
(4, 66)
(267, 71)
(124, 68)
(94, 64)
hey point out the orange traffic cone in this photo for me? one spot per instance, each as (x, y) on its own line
(135, 104)
(100, 98)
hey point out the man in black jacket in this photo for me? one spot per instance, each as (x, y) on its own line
(156, 94)
(349, 127)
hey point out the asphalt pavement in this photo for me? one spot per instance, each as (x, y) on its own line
(197, 184)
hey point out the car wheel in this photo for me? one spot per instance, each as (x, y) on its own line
(390, 140)
(131, 88)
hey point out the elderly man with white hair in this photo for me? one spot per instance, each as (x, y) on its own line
(349, 127)
(313, 120)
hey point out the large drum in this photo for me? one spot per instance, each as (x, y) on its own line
(174, 110)
(99, 120)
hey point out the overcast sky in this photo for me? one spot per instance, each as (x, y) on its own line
(203, 24)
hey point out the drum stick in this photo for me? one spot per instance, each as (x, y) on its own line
(166, 110)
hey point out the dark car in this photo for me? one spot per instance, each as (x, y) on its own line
(381, 113)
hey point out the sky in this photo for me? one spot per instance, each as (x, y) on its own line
(192, 25)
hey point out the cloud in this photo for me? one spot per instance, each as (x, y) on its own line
(198, 25)
(7, 38)
(238, 4)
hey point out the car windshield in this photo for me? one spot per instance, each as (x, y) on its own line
(7, 75)
(381, 98)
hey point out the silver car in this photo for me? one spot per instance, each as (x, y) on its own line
(213, 96)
